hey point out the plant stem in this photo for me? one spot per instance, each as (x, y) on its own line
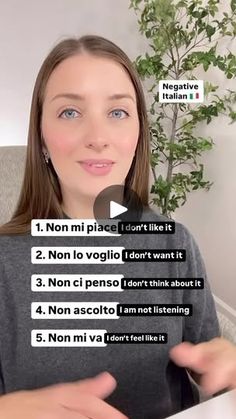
(154, 174)
(172, 140)
(170, 160)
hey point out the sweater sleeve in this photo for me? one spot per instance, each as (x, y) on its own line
(1, 383)
(203, 325)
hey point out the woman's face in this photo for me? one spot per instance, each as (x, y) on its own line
(90, 124)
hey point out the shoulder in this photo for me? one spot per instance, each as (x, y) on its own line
(13, 244)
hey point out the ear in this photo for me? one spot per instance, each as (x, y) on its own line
(44, 149)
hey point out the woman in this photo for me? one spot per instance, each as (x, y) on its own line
(88, 131)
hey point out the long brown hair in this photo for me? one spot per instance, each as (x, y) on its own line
(40, 195)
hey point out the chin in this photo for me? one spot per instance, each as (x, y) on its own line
(93, 192)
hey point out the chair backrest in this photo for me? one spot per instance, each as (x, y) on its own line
(227, 327)
(12, 164)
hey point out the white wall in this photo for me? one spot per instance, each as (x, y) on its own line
(30, 28)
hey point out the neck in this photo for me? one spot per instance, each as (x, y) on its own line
(81, 208)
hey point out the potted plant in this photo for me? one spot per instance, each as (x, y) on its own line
(184, 37)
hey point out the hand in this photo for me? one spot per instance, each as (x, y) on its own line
(214, 360)
(77, 400)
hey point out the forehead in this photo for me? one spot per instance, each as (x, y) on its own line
(87, 74)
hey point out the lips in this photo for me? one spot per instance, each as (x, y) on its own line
(91, 162)
(97, 167)
(102, 163)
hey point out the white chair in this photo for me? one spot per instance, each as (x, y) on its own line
(12, 161)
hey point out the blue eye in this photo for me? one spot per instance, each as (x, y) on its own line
(118, 111)
(67, 111)
(71, 111)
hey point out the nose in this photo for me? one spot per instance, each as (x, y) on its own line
(96, 136)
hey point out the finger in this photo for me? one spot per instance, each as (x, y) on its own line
(74, 415)
(92, 407)
(196, 357)
(221, 376)
(215, 360)
(211, 384)
(66, 413)
(100, 386)
(184, 356)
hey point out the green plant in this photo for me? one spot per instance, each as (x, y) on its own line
(177, 30)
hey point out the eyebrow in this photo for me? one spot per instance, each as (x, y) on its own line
(75, 96)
